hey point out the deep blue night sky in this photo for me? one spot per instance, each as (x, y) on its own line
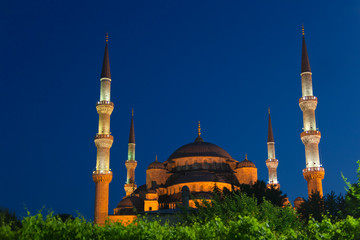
(175, 62)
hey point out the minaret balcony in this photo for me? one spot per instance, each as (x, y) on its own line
(307, 98)
(272, 163)
(105, 103)
(102, 176)
(310, 133)
(311, 136)
(313, 169)
(272, 160)
(308, 103)
(104, 107)
(102, 172)
(313, 173)
(101, 136)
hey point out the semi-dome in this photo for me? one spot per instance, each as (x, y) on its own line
(199, 148)
(131, 202)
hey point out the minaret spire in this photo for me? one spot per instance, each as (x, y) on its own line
(271, 163)
(131, 163)
(132, 133)
(270, 131)
(313, 173)
(305, 63)
(105, 72)
(102, 175)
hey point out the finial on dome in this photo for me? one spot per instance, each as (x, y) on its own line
(156, 158)
(107, 37)
(246, 156)
(199, 138)
(302, 29)
(199, 129)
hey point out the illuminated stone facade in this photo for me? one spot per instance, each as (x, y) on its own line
(199, 166)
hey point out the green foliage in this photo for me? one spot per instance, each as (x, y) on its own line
(9, 219)
(334, 206)
(230, 215)
(230, 207)
(348, 228)
(313, 208)
(352, 198)
(260, 191)
(271, 225)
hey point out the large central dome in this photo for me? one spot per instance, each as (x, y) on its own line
(199, 148)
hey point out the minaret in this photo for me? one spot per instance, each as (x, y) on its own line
(131, 163)
(272, 163)
(102, 176)
(313, 173)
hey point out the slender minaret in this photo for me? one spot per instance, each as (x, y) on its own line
(102, 176)
(313, 173)
(272, 163)
(131, 163)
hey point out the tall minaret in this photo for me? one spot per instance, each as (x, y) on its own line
(131, 163)
(272, 163)
(313, 173)
(102, 176)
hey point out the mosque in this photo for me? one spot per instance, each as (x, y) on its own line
(195, 167)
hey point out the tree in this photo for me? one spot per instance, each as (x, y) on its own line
(334, 205)
(352, 197)
(313, 207)
(9, 218)
(260, 191)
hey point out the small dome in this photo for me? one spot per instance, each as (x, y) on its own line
(156, 165)
(245, 163)
(299, 199)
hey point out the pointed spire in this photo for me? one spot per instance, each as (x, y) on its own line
(305, 64)
(132, 132)
(199, 138)
(105, 72)
(270, 131)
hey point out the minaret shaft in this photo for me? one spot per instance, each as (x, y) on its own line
(105, 89)
(313, 173)
(271, 150)
(131, 151)
(306, 84)
(102, 176)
